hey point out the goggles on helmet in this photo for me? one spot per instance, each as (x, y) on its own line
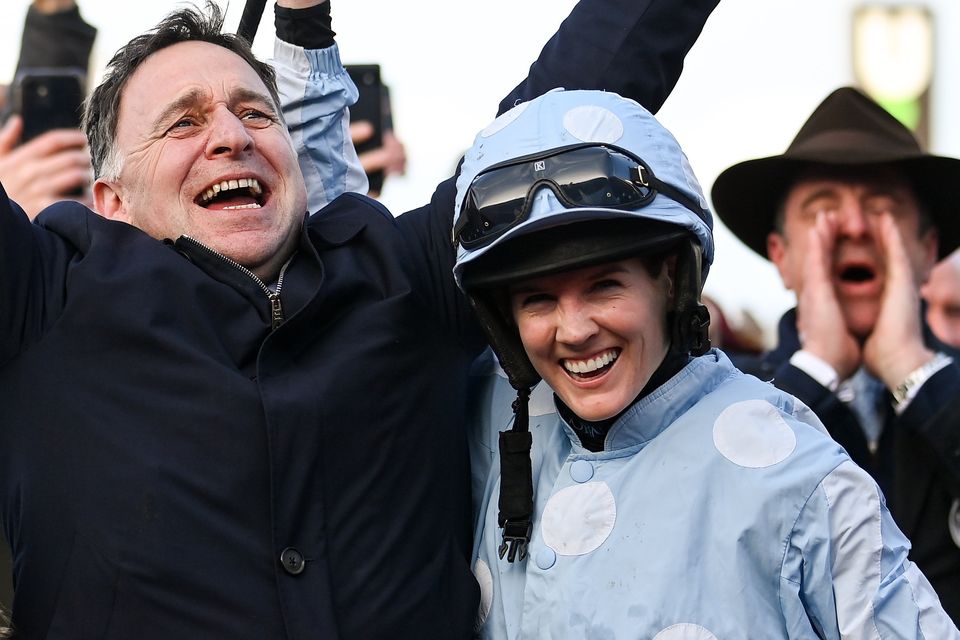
(582, 175)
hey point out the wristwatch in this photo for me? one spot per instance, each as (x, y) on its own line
(906, 390)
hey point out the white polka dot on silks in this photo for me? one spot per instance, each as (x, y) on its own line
(579, 518)
(593, 124)
(685, 631)
(753, 434)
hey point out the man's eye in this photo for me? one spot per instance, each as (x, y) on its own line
(606, 285)
(255, 115)
(182, 123)
(815, 210)
(879, 207)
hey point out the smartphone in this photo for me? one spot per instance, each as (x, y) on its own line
(48, 99)
(369, 108)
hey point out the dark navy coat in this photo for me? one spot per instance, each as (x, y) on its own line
(161, 447)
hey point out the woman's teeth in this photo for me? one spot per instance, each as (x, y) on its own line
(591, 364)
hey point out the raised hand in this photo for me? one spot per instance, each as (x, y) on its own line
(895, 347)
(820, 321)
(45, 169)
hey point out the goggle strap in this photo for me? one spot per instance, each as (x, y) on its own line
(677, 196)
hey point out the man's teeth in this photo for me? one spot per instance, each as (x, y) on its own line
(590, 365)
(229, 185)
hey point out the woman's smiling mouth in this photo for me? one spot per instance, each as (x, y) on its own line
(591, 367)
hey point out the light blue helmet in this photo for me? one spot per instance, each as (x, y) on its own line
(563, 118)
(539, 173)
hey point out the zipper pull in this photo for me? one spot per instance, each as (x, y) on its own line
(276, 311)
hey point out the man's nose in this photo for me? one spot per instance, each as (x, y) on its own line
(575, 322)
(853, 220)
(228, 136)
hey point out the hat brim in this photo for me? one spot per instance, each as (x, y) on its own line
(571, 246)
(747, 195)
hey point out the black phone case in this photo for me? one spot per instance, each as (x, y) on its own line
(48, 99)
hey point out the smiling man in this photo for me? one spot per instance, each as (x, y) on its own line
(206, 156)
(854, 215)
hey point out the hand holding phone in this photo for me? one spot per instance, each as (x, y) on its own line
(43, 155)
(48, 99)
(369, 108)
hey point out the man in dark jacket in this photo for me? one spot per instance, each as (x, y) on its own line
(854, 215)
(223, 418)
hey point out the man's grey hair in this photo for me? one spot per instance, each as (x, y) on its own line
(184, 25)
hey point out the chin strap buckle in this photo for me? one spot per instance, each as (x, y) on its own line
(516, 538)
(699, 329)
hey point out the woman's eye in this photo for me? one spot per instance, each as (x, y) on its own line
(535, 299)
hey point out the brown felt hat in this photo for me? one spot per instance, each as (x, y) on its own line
(847, 129)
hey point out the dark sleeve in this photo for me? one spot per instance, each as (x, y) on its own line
(33, 266)
(429, 230)
(934, 415)
(632, 47)
(61, 39)
(309, 28)
(6, 580)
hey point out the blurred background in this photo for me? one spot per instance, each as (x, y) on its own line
(757, 72)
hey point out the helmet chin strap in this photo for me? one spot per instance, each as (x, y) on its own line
(692, 323)
(515, 504)
(515, 514)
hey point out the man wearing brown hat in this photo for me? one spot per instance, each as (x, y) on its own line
(854, 215)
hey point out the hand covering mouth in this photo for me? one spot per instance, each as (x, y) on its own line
(241, 193)
(591, 367)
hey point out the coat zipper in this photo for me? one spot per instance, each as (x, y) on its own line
(273, 295)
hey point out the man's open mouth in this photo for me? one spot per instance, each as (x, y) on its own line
(243, 193)
(857, 273)
(591, 367)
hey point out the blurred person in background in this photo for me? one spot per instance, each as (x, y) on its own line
(941, 294)
(390, 158)
(55, 165)
(854, 215)
(743, 337)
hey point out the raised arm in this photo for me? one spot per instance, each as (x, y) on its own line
(633, 47)
(316, 91)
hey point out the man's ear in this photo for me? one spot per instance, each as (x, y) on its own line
(777, 253)
(108, 200)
